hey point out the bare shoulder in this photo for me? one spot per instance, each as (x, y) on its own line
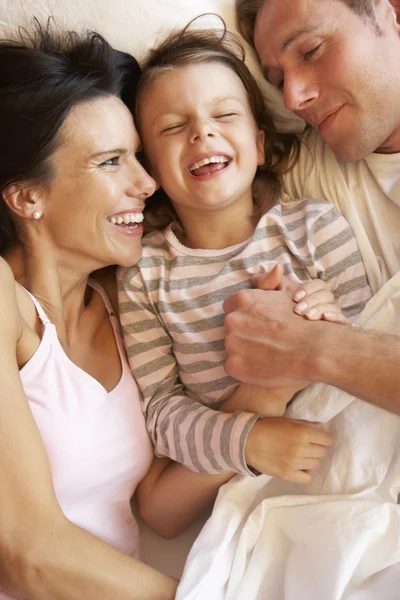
(10, 317)
(107, 278)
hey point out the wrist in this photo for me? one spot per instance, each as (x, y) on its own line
(329, 347)
(252, 445)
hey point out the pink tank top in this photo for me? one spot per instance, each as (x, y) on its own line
(96, 440)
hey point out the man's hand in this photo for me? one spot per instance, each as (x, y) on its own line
(286, 448)
(266, 342)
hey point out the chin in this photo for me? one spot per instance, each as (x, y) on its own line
(347, 151)
(128, 260)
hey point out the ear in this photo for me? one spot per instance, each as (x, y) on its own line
(260, 147)
(391, 9)
(396, 6)
(23, 200)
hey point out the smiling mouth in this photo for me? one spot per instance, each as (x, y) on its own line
(209, 165)
(127, 220)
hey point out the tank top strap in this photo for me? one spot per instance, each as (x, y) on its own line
(101, 291)
(113, 318)
(42, 315)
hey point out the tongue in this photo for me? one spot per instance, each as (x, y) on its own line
(210, 168)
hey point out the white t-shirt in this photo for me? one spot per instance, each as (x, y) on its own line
(366, 192)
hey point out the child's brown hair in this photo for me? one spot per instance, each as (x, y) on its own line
(191, 46)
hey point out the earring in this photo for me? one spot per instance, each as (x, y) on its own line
(36, 215)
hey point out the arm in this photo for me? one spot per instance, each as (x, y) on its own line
(267, 344)
(43, 556)
(203, 439)
(318, 303)
(171, 497)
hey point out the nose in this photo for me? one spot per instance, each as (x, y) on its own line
(201, 130)
(143, 185)
(299, 92)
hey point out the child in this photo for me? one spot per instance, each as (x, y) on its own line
(212, 146)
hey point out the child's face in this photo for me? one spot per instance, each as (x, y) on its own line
(201, 138)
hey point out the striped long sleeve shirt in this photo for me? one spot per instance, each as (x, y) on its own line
(173, 322)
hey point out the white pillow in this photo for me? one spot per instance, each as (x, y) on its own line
(134, 26)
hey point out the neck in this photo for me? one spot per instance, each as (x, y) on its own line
(60, 288)
(212, 234)
(216, 229)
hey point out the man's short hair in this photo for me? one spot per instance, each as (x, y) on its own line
(247, 11)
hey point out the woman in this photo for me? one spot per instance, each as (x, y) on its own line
(73, 444)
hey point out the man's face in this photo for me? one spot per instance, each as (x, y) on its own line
(337, 71)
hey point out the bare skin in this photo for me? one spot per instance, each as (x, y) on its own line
(261, 324)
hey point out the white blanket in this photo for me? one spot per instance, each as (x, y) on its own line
(337, 538)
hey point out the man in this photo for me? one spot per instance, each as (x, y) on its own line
(337, 63)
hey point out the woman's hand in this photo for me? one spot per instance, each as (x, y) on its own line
(314, 300)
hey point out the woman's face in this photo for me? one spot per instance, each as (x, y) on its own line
(92, 207)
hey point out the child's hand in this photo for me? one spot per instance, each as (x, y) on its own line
(286, 448)
(316, 302)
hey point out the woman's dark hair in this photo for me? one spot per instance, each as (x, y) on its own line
(43, 74)
(198, 46)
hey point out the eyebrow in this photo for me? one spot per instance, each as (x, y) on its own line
(113, 151)
(223, 98)
(296, 34)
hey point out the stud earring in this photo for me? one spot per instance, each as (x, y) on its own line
(36, 215)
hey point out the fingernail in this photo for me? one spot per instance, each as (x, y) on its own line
(300, 308)
(312, 313)
(299, 295)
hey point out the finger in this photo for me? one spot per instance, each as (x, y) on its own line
(334, 317)
(315, 451)
(312, 433)
(321, 438)
(297, 476)
(317, 312)
(308, 288)
(315, 424)
(269, 281)
(323, 297)
(308, 464)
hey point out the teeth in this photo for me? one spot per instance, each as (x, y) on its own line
(127, 218)
(207, 161)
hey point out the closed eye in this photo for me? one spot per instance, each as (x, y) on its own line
(311, 52)
(172, 128)
(226, 115)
